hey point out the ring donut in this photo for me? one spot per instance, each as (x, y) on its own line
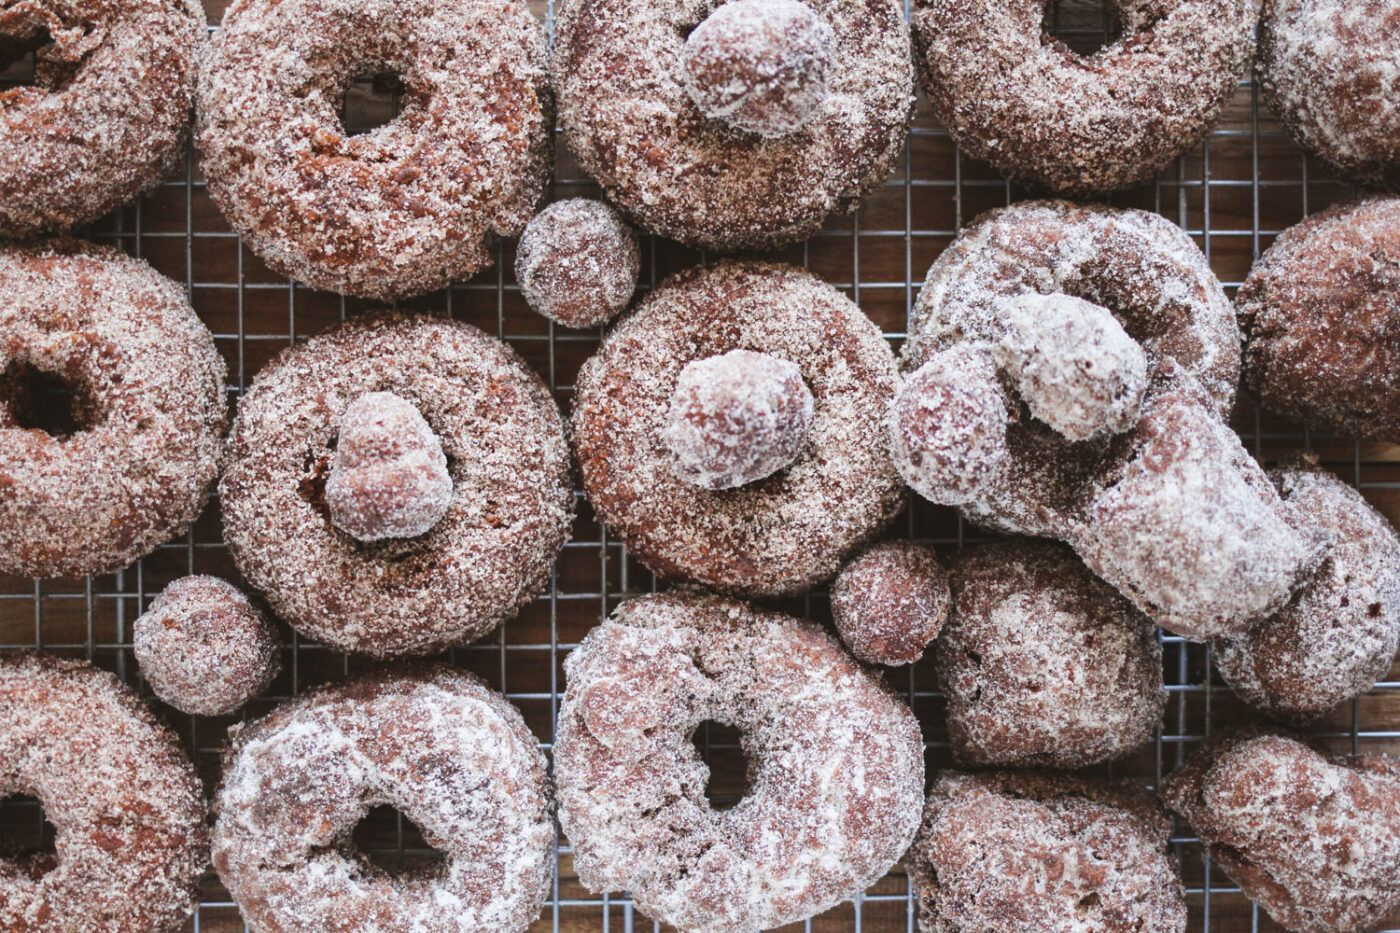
(148, 403)
(446, 751)
(405, 208)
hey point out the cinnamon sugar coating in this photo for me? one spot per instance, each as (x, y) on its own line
(129, 812)
(1043, 664)
(1314, 840)
(409, 206)
(1006, 852)
(204, 648)
(148, 403)
(890, 602)
(1327, 68)
(492, 551)
(1016, 97)
(577, 263)
(783, 533)
(836, 765)
(1321, 315)
(619, 72)
(107, 113)
(1338, 635)
(450, 754)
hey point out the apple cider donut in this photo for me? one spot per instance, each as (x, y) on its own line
(449, 753)
(734, 125)
(1015, 96)
(405, 208)
(338, 436)
(107, 113)
(835, 764)
(729, 429)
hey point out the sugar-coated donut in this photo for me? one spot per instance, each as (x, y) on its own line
(734, 125)
(129, 812)
(436, 744)
(1022, 100)
(1337, 636)
(1313, 840)
(1007, 852)
(1327, 68)
(149, 410)
(204, 648)
(1043, 664)
(409, 206)
(107, 113)
(835, 765)
(1321, 316)
(779, 534)
(890, 602)
(490, 552)
(577, 263)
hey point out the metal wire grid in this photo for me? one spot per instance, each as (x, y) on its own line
(1242, 186)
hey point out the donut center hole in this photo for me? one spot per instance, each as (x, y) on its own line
(19, 58)
(373, 98)
(1083, 26)
(43, 401)
(394, 844)
(721, 748)
(26, 835)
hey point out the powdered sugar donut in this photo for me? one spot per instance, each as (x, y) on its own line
(205, 649)
(746, 133)
(127, 807)
(491, 551)
(1337, 636)
(1043, 664)
(1016, 97)
(836, 765)
(577, 263)
(409, 206)
(107, 112)
(779, 534)
(1321, 316)
(1327, 68)
(438, 745)
(1005, 852)
(148, 416)
(890, 602)
(1314, 840)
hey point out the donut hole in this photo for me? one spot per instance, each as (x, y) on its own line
(372, 99)
(27, 838)
(391, 843)
(38, 400)
(1085, 27)
(19, 58)
(721, 748)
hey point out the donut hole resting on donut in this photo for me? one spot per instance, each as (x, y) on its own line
(721, 748)
(38, 400)
(393, 844)
(373, 98)
(27, 838)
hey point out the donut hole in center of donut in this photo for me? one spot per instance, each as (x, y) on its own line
(393, 844)
(1085, 27)
(373, 98)
(26, 835)
(43, 401)
(30, 58)
(721, 748)
(19, 58)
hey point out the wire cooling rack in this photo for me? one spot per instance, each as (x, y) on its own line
(1233, 194)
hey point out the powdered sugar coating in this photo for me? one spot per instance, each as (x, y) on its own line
(836, 765)
(409, 206)
(1022, 100)
(512, 503)
(1338, 634)
(1006, 852)
(388, 477)
(1321, 315)
(204, 648)
(781, 534)
(577, 263)
(760, 65)
(628, 118)
(1043, 664)
(107, 113)
(129, 811)
(736, 418)
(890, 602)
(1073, 365)
(1331, 70)
(442, 748)
(1314, 840)
(148, 389)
